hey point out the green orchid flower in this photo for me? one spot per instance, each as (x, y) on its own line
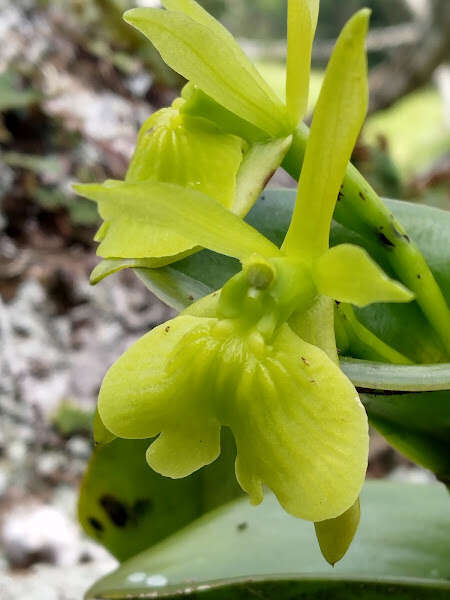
(224, 137)
(237, 359)
(179, 149)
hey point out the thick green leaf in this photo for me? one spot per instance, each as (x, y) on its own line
(240, 552)
(418, 425)
(423, 450)
(390, 377)
(127, 507)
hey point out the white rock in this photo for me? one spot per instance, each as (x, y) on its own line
(39, 533)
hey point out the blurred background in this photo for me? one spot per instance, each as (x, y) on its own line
(75, 84)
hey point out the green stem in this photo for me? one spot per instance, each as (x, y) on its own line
(353, 338)
(361, 209)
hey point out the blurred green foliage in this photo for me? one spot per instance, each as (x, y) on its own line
(12, 96)
(268, 17)
(69, 419)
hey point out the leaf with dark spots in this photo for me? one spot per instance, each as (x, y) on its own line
(400, 553)
(116, 510)
(141, 508)
(127, 507)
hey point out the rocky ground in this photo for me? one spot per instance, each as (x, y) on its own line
(56, 341)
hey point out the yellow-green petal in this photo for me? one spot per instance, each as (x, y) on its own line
(155, 220)
(139, 394)
(185, 447)
(302, 22)
(336, 535)
(348, 274)
(300, 429)
(337, 121)
(198, 13)
(187, 151)
(211, 60)
(299, 426)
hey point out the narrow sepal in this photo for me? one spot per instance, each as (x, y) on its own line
(338, 118)
(302, 22)
(154, 220)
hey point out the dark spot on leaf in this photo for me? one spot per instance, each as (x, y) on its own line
(385, 241)
(167, 329)
(115, 510)
(242, 526)
(95, 524)
(399, 234)
(419, 276)
(306, 361)
(361, 195)
(141, 508)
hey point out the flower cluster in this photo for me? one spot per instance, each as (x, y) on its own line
(259, 355)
